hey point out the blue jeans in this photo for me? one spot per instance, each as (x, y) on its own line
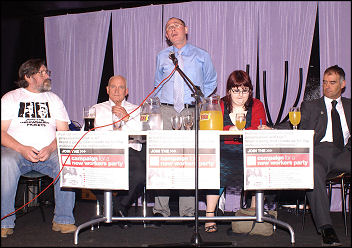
(13, 165)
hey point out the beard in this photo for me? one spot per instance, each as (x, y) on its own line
(46, 85)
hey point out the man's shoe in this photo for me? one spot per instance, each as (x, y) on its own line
(63, 228)
(329, 237)
(6, 231)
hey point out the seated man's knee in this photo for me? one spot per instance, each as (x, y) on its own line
(9, 160)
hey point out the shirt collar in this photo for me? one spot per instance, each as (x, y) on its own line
(113, 104)
(329, 100)
(183, 49)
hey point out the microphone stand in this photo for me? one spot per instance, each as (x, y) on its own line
(197, 95)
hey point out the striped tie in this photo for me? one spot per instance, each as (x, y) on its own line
(179, 88)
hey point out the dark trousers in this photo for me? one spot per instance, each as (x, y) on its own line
(137, 175)
(327, 159)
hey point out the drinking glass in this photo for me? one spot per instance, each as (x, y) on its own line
(188, 122)
(295, 116)
(89, 118)
(240, 121)
(155, 121)
(176, 122)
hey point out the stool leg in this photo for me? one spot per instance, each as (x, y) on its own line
(304, 210)
(297, 207)
(144, 201)
(242, 199)
(25, 197)
(38, 199)
(344, 204)
(330, 192)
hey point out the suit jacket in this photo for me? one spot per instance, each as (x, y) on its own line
(314, 117)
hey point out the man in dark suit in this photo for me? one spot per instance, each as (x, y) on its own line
(329, 156)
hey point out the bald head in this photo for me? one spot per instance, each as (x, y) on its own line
(117, 78)
(117, 89)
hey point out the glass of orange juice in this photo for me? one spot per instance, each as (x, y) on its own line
(240, 121)
(295, 116)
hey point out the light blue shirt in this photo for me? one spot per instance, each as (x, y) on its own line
(198, 67)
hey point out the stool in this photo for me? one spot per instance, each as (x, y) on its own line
(344, 179)
(32, 178)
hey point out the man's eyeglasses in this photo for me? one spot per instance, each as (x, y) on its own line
(237, 91)
(42, 73)
(173, 26)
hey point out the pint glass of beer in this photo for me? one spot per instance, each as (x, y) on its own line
(89, 118)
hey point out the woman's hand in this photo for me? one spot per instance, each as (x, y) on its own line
(264, 127)
(233, 128)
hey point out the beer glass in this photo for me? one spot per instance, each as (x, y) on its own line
(240, 121)
(295, 116)
(89, 118)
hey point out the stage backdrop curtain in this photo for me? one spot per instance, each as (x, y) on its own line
(286, 32)
(335, 38)
(137, 38)
(226, 30)
(75, 50)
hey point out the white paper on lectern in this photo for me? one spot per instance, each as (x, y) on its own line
(171, 159)
(278, 159)
(99, 161)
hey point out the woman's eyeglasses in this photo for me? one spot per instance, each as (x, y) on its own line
(237, 91)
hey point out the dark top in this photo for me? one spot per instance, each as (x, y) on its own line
(231, 155)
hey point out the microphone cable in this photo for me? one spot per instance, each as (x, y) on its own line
(80, 141)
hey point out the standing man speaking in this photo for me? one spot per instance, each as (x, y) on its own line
(175, 95)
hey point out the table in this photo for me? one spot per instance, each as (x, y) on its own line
(259, 216)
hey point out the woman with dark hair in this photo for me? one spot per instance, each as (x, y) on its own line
(238, 99)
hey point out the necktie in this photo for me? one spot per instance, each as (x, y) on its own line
(336, 126)
(179, 88)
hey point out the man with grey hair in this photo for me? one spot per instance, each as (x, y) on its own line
(330, 118)
(117, 105)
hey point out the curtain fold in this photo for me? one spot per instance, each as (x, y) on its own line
(286, 31)
(232, 32)
(137, 38)
(335, 38)
(75, 50)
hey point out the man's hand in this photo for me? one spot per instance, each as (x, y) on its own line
(30, 153)
(44, 153)
(119, 110)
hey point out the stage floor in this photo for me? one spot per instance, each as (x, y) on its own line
(31, 231)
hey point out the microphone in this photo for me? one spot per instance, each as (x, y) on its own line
(173, 58)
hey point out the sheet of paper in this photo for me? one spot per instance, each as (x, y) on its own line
(278, 159)
(99, 160)
(171, 159)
